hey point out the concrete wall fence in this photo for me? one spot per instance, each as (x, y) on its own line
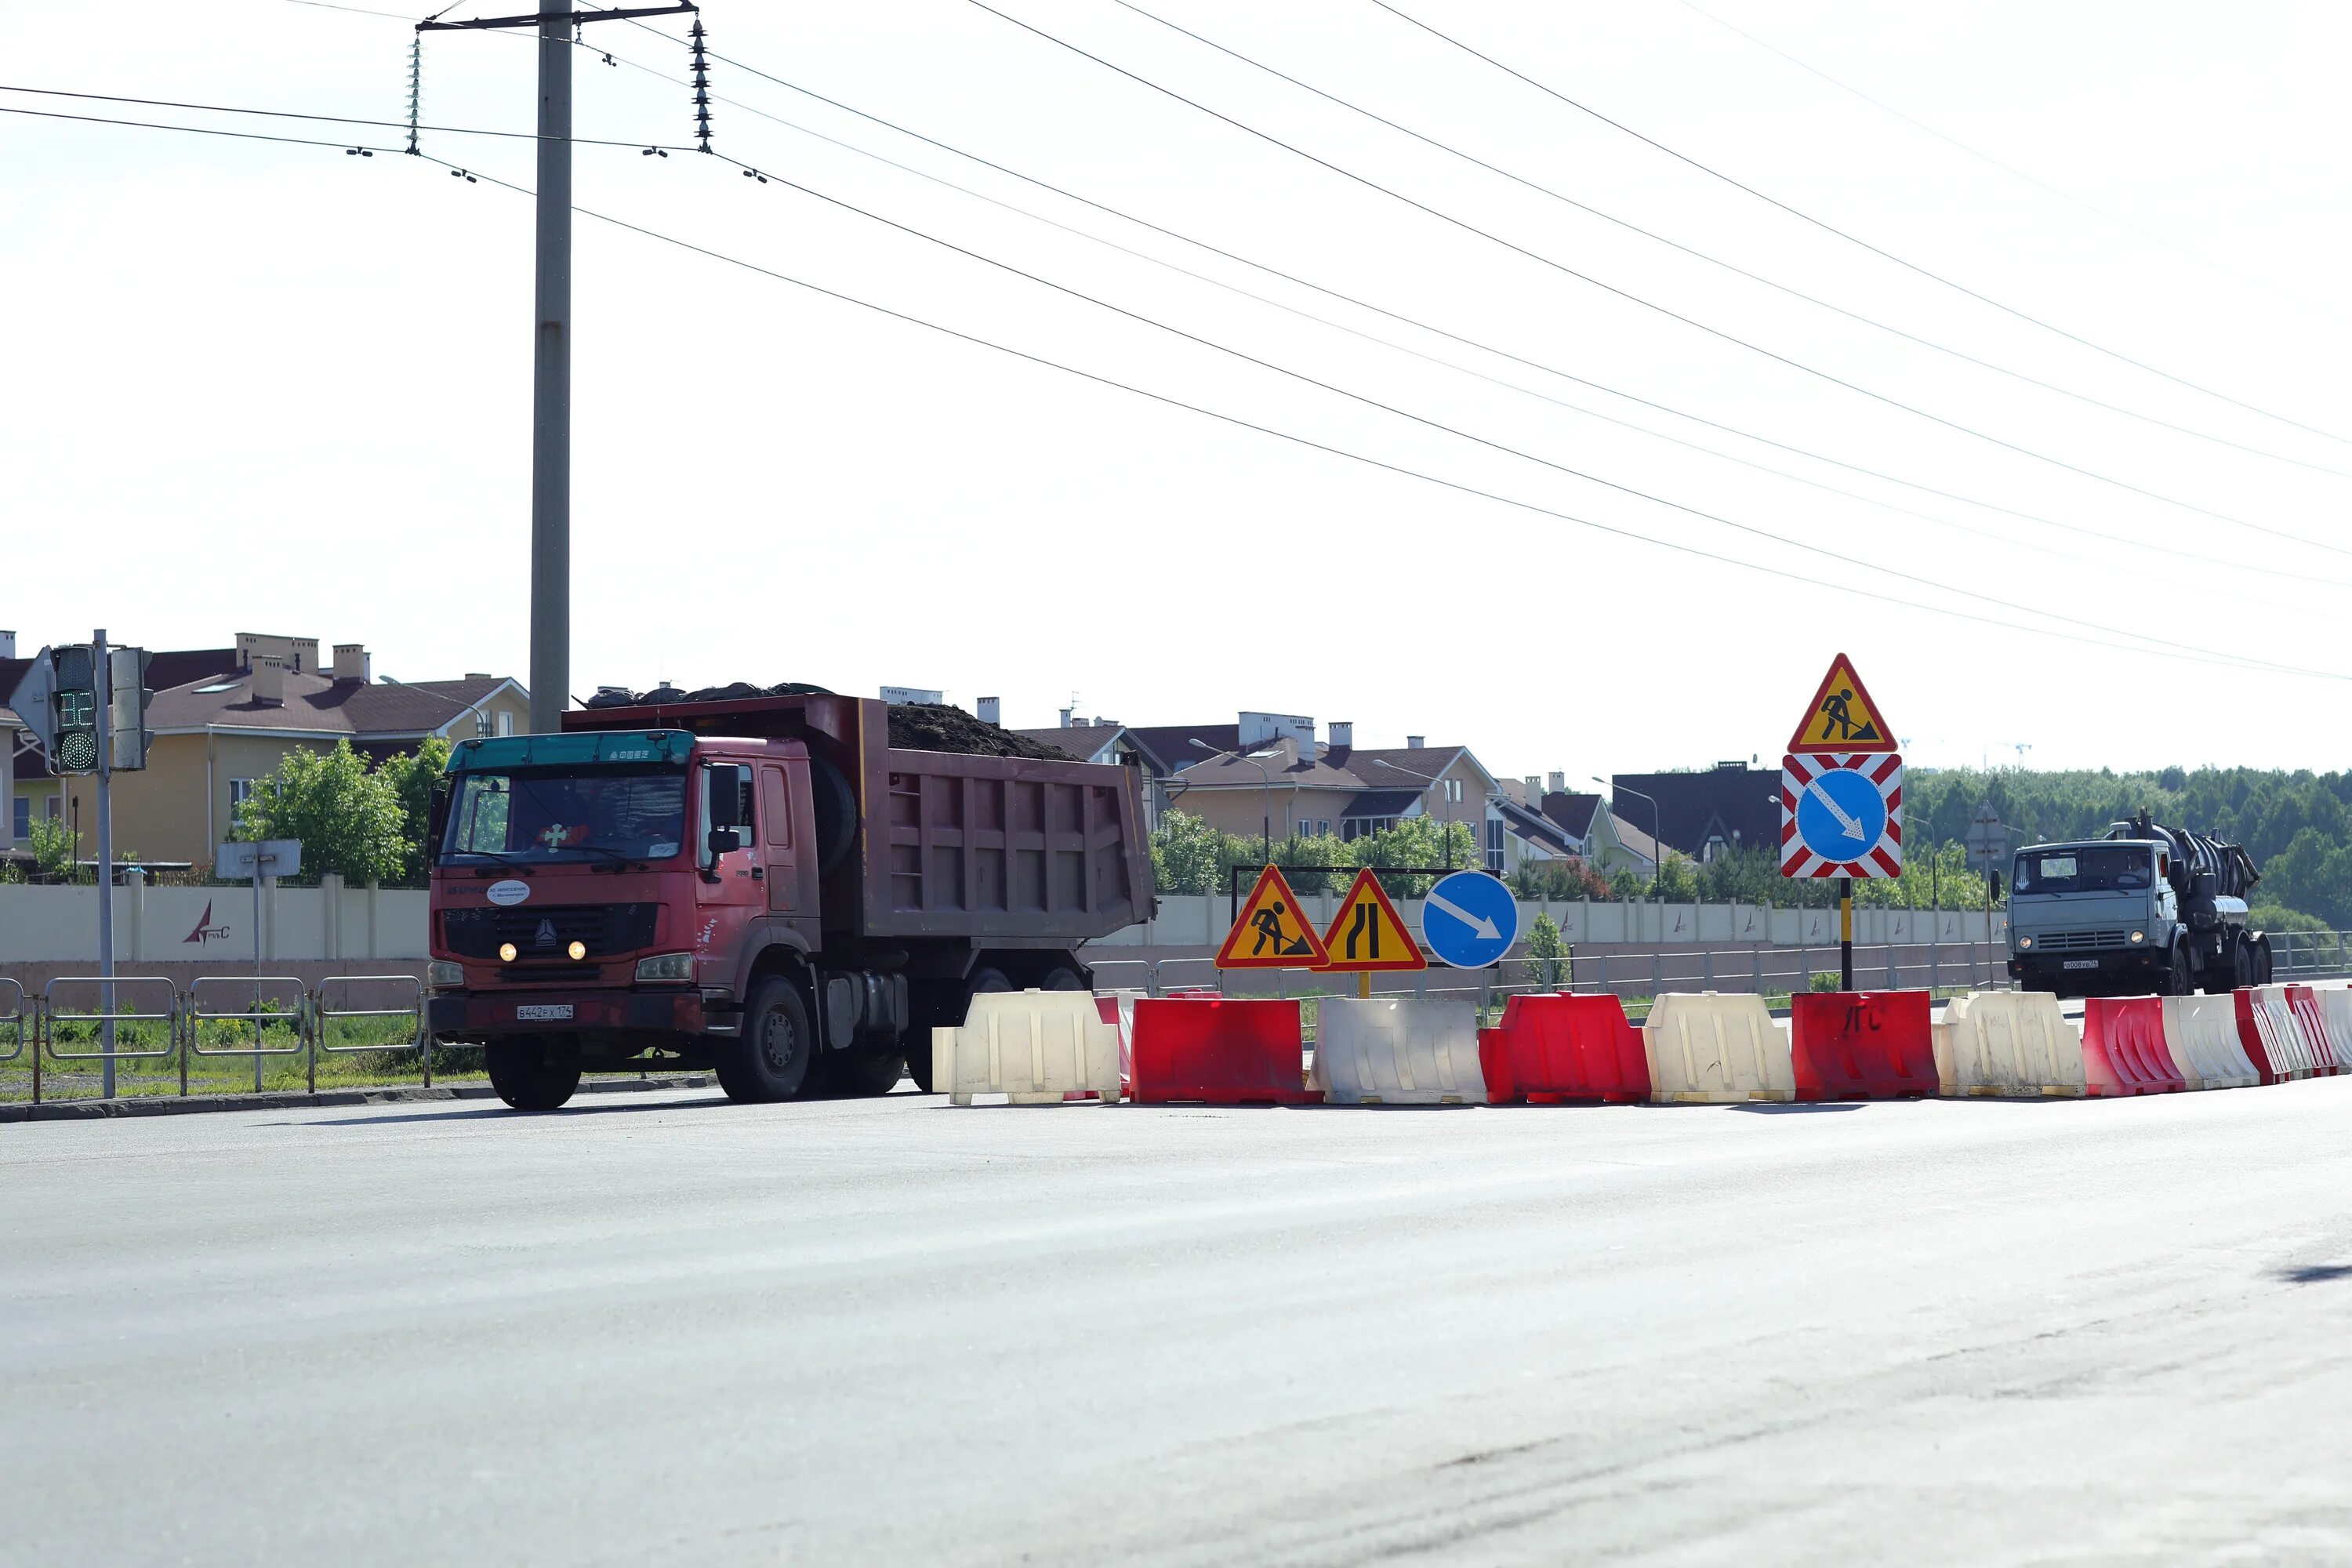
(212, 928)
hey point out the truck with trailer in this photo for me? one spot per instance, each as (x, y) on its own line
(762, 885)
(2146, 909)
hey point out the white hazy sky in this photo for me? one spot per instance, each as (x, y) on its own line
(270, 387)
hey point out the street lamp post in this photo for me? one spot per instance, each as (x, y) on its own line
(1657, 836)
(1266, 780)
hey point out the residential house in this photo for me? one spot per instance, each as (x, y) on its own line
(217, 734)
(1271, 777)
(1708, 813)
(1605, 841)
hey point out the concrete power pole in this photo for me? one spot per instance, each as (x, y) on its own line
(550, 387)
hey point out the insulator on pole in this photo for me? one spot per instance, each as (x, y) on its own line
(416, 86)
(701, 84)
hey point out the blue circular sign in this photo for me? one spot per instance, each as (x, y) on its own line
(1469, 919)
(1841, 815)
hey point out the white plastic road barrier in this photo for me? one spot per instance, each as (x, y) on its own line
(1709, 1048)
(2007, 1042)
(1120, 1007)
(2281, 1035)
(2335, 1008)
(1033, 1046)
(2201, 1032)
(1401, 1052)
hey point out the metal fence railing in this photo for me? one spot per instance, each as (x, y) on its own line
(287, 1019)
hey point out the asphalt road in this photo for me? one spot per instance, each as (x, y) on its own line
(667, 1329)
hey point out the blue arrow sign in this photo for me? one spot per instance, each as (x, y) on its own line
(1841, 815)
(1469, 919)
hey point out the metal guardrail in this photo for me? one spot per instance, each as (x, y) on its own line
(184, 1016)
(321, 1014)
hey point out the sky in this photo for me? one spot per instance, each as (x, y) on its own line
(1624, 526)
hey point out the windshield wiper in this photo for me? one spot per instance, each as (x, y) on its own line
(488, 855)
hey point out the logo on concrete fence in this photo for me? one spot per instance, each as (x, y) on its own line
(206, 930)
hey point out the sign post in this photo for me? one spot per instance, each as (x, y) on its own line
(1842, 796)
(273, 858)
(1987, 844)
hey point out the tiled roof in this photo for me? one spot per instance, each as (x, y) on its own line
(1172, 743)
(1740, 804)
(317, 704)
(1572, 812)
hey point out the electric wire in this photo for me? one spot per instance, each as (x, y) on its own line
(1672, 315)
(1731, 267)
(197, 129)
(336, 119)
(2172, 651)
(2012, 170)
(2083, 530)
(1850, 239)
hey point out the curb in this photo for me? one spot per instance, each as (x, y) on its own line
(294, 1099)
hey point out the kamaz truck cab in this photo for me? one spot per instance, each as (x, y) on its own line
(2148, 909)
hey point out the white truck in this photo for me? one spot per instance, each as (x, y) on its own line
(2146, 909)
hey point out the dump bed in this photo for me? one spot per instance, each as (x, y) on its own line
(999, 848)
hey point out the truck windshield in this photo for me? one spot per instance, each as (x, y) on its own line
(568, 813)
(2085, 870)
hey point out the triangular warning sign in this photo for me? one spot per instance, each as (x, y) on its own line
(1369, 933)
(1272, 932)
(1842, 717)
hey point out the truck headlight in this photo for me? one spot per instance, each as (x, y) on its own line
(2024, 943)
(2138, 937)
(667, 966)
(443, 976)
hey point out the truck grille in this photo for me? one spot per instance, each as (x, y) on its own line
(2075, 940)
(544, 931)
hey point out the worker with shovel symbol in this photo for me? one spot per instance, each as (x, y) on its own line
(1268, 924)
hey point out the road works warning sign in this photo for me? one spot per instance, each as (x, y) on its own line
(1367, 934)
(1842, 719)
(1272, 932)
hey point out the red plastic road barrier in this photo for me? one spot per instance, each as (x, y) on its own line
(1225, 1050)
(2328, 1046)
(1861, 1045)
(2124, 1051)
(1549, 1049)
(2250, 1035)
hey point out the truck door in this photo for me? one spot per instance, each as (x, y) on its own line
(727, 892)
(781, 856)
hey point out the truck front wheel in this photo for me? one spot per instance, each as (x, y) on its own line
(2177, 982)
(526, 1077)
(770, 1059)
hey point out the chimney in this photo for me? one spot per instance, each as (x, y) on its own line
(1414, 742)
(990, 707)
(267, 685)
(352, 662)
(7, 645)
(1343, 735)
(1557, 785)
(1535, 795)
(1065, 718)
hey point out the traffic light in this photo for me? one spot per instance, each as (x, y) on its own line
(126, 713)
(73, 746)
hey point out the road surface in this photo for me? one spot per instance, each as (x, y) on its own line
(667, 1329)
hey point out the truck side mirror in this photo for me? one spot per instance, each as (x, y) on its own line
(436, 820)
(723, 808)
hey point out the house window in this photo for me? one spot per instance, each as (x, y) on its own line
(1323, 828)
(1495, 844)
(239, 792)
(20, 821)
(1365, 827)
(482, 723)
(57, 809)
(506, 722)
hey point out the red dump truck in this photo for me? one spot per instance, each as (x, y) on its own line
(764, 886)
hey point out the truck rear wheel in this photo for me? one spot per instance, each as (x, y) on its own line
(526, 1076)
(1062, 979)
(770, 1060)
(863, 1074)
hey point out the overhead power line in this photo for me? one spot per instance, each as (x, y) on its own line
(2168, 650)
(1672, 315)
(2011, 168)
(1731, 267)
(1855, 239)
(2133, 542)
(335, 119)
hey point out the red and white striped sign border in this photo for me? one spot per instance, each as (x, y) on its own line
(1883, 769)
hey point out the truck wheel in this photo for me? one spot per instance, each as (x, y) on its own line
(526, 1078)
(862, 1074)
(1060, 978)
(770, 1060)
(2262, 962)
(2177, 981)
(2242, 965)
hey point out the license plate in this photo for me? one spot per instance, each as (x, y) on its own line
(2070, 964)
(543, 1012)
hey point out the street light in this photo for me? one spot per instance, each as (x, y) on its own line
(1265, 822)
(1447, 792)
(1657, 836)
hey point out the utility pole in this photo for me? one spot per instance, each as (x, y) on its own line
(551, 399)
(102, 697)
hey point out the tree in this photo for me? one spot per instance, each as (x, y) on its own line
(52, 843)
(1546, 948)
(411, 775)
(349, 820)
(1184, 854)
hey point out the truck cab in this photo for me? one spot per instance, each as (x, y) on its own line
(2126, 916)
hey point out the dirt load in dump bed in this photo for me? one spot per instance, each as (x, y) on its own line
(929, 727)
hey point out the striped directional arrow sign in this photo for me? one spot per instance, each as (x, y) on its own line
(1841, 814)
